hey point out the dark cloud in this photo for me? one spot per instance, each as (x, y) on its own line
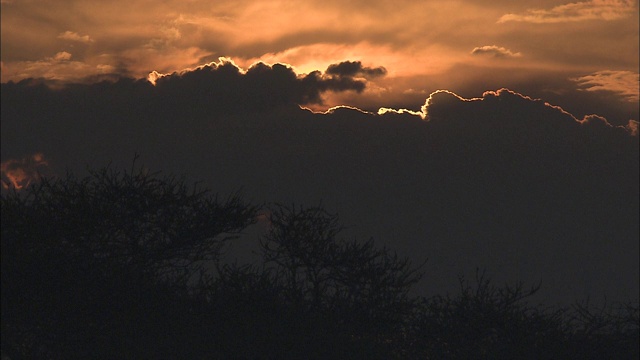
(554, 87)
(261, 86)
(503, 181)
(354, 68)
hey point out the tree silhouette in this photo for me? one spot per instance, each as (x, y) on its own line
(129, 265)
(95, 263)
(485, 321)
(362, 289)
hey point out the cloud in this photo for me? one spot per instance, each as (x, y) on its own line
(624, 83)
(263, 84)
(172, 36)
(60, 68)
(517, 117)
(354, 68)
(164, 59)
(18, 173)
(579, 11)
(310, 36)
(62, 56)
(495, 51)
(74, 36)
(448, 108)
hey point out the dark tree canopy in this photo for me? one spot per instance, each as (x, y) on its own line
(130, 218)
(84, 256)
(314, 265)
(128, 264)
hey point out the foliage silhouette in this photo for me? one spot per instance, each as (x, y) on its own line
(314, 265)
(87, 262)
(484, 321)
(129, 265)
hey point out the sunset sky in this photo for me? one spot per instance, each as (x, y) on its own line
(549, 49)
(498, 134)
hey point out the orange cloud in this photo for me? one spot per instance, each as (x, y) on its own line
(625, 83)
(18, 173)
(61, 66)
(578, 11)
(495, 51)
(164, 59)
(74, 36)
(62, 56)
(632, 127)
(397, 62)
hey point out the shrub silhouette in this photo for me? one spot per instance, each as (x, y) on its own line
(129, 265)
(484, 321)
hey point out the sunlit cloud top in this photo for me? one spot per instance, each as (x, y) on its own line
(495, 51)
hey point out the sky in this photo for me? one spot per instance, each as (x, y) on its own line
(496, 134)
(559, 51)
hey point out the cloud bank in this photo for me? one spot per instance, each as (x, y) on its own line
(579, 11)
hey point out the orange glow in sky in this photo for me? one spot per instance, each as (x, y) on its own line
(18, 173)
